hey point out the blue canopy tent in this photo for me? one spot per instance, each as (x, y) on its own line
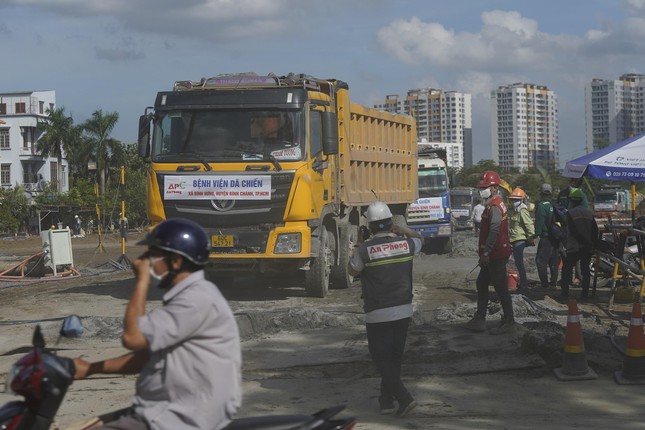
(622, 161)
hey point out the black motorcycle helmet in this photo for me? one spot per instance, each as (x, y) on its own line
(180, 236)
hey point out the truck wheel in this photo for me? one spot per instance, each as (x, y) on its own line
(317, 277)
(340, 277)
(446, 246)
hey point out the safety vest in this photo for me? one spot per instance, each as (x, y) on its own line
(386, 279)
(502, 247)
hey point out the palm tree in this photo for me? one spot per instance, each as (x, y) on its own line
(78, 156)
(103, 148)
(58, 131)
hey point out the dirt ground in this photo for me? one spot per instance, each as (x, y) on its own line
(302, 354)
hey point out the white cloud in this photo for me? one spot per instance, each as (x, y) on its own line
(210, 20)
(510, 21)
(507, 41)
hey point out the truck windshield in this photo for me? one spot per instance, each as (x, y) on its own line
(461, 200)
(432, 182)
(605, 198)
(228, 136)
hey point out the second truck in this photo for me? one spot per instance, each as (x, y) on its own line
(430, 215)
(278, 170)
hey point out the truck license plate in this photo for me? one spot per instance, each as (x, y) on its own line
(219, 241)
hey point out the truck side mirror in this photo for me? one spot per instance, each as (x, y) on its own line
(329, 133)
(144, 135)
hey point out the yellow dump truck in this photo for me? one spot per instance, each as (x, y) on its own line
(277, 169)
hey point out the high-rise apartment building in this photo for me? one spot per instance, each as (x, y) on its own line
(524, 126)
(441, 116)
(614, 110)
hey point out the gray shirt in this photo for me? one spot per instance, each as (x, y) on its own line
(193, 378)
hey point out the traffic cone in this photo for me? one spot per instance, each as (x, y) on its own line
(574, 364)
(633, 372)
(512, 279)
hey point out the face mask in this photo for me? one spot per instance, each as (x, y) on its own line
(485, 193)
(517, 203)
(155, 280)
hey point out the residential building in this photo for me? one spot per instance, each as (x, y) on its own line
(20, 162)
(614, 110)
(454, 152)
(441, 116)
(524, 126)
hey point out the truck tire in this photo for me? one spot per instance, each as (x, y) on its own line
(317, 277)
(446, 246)
(340, 277)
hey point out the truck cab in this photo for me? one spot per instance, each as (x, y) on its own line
(462, 202)
(611, 200)
(430, 214)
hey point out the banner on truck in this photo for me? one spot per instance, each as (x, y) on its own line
(222, 187)
(430, 205)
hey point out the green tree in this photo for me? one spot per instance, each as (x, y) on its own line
(104, 149)
(58, 131)
(14, 210)
(136, 170)
(79, 153)
(600, 142)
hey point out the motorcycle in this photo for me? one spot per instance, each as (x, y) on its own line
(43, 378)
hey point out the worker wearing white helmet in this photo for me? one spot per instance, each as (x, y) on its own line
(385, 264)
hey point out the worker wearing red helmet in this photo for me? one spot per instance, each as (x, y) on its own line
(494, 251)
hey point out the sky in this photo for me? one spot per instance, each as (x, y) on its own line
(115, 55)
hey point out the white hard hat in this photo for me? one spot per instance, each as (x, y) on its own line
(75, 216)
(377, 211)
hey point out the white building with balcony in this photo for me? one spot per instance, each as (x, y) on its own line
(20, 162)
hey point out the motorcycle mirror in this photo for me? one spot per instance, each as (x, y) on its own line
(38, 341)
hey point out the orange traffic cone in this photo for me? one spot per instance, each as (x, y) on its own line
(574, 364)
(633, 372)
(512, 279)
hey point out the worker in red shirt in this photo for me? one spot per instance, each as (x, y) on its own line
(494, 251)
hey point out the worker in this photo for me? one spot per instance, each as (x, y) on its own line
(547, 256)
(494, 251)
(385, 264)
(478, 210)
(521, 233)
(563, 196)
(582, 236)
(77, 225)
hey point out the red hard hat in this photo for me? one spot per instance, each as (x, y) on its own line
(489, 178)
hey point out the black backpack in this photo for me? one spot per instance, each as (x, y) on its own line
(557, 227)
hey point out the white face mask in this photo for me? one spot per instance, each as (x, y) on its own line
(517, 203)
(155, 279)
(485, 193)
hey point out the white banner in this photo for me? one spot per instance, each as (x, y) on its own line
(217, 187)
(428, 205)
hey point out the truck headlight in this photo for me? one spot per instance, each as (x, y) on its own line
(445, 230)
(288, 243)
